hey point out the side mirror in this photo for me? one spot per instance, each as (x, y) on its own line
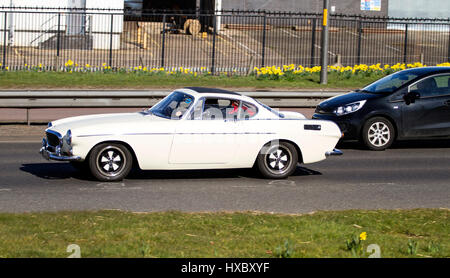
(411, 97)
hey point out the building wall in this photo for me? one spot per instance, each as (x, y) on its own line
(310, 6)
(21, 23)
(420, 8)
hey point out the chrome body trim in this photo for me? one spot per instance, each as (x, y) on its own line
(334, 152)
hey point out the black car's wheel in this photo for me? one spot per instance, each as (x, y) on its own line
(378, 133)
(110, 162)
(277, 160)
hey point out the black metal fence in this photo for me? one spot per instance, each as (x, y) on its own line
(227, 41)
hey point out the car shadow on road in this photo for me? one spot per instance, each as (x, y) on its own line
(60, 171)
(411, 144)
(55, 171)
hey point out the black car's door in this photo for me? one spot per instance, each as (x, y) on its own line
(429, 115)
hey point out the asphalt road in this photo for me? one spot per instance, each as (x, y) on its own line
(410, 175)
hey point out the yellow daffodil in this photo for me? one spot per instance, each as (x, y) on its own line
(363, 236)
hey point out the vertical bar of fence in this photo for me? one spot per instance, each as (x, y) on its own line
(359, 42)
(313, 41)
(405, 49)
(263, 51)
(58, 35)
(4, 41)
(111, 40)
(163, 40)
(448, 49)
(213, 56)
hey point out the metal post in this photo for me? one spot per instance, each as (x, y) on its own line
(324, 50)
(58, 37)
(405, 44)
(163, 40)
(313, 41)
(263, 40)
(111, 40)
(4, 42)
(359, 41)
(213, 47)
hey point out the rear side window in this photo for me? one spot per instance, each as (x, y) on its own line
(248, 111)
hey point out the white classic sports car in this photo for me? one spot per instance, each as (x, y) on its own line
(192, 128)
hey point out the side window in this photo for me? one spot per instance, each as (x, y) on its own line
(432, 86)
(248, 110)
(196, 113)
(220, 109)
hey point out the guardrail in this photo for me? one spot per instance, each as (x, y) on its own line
(139, 98)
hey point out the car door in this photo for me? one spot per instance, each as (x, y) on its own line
(208, 135)
(429, 114)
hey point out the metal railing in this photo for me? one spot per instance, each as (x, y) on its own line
(224, 41)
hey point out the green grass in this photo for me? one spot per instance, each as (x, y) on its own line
(175, 234)
(122, 80)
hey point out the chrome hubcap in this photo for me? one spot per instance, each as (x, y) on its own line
(110, 161)
(278, 160)
(379, 134)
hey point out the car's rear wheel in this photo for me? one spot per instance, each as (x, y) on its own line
(378, 133)
(277, 160)
(110, 162)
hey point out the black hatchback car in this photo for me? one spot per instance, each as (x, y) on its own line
(409, 104)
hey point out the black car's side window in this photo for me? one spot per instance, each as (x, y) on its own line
(432, 86)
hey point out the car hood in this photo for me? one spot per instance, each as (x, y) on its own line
(330, 104)
(102, 123)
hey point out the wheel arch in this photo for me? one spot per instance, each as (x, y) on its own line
(126, 145)
(297, 148)
(387, 117)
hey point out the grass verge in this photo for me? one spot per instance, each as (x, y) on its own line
(175, 234)
(122, 80)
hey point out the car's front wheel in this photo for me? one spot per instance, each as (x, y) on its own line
(378, 133)
(110, 162)
(277, 160)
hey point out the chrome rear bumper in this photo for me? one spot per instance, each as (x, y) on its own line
(334, 152)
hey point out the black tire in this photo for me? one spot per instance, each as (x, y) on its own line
(378, 133)
(82, 166)
(110, 162)
(277, 160)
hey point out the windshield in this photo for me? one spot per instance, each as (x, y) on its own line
(173, 106)
(390, 83)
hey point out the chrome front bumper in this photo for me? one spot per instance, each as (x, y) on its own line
(334, 152)
(56, 154)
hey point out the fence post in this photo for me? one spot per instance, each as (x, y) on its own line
(4, 42)
(405, 44)
(163, 40)
(213, 47)
(263, 40)
(58, 36)
(111, 40)
(313, 41)
(324, 52)
(359, 42)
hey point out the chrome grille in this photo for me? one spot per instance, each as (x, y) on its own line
(52, 139)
